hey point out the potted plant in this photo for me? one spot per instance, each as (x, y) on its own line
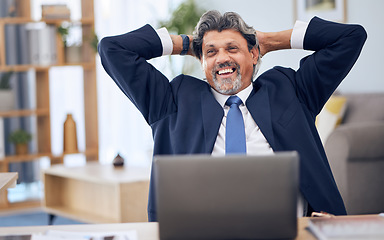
(7, 100)
(20, 138)
(94, 41)
(184, 18)
(72, 50)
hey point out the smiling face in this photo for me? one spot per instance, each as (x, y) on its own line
(227, 62)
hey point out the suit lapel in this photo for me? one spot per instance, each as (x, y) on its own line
(212, 114)
(259, 106)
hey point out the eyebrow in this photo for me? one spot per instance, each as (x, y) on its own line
(228, 43)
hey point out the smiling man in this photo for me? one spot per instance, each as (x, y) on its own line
(224, 53)
(277, 110)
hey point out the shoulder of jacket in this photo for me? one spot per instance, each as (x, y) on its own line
(189, 81)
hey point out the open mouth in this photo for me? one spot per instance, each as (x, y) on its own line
(225, 72)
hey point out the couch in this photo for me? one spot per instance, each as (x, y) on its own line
(355, 151)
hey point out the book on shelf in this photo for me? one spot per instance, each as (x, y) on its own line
(42, 44)
(2, 145)
(22, 37)
(11, 50)
(348, 227)
(55, 11)
(31, 43)
(16, 44)
(33, 39)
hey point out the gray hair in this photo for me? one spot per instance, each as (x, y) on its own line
(214, 20)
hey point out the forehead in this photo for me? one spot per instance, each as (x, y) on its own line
(215, 38)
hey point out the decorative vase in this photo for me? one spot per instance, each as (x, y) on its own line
(118, 161)
(70, 136)
(7, 100)
(73, 54)
(21, 149)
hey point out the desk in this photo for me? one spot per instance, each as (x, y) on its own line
(97, 193)
(145, 231)
(7, 180)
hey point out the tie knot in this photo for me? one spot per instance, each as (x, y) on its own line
(233, 100)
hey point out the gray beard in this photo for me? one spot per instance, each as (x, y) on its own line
(236, 84)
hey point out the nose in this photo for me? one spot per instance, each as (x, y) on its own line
(222, 56)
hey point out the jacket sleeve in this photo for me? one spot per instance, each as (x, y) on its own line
(336, 48)
(124, 58)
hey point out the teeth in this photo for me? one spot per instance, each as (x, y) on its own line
(227, 70)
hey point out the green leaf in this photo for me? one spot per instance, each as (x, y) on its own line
(5, 80)
(183, 19)
(20, 136)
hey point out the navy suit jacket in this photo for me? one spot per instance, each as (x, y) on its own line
(185, 117)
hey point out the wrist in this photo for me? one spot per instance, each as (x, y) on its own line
(177, 42)
(185, 44)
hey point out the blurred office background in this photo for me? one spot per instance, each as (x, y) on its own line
(122, 129)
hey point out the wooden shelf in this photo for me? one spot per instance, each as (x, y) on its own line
(24, 68)
(15, 20)
(18, 20)
(28, 204)
(32, 157)
(42, 90)
(83, 21)
(25, 113)
(24, 158)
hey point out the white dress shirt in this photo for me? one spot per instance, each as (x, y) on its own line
(255, 141)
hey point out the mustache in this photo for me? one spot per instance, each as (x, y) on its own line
(225, 64)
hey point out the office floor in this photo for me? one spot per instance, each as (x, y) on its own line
(32, 217)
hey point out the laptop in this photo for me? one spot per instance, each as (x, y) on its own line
(230, 197)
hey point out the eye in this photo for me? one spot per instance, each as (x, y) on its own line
(210, 52)
(232, 49)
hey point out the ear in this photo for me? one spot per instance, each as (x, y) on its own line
(255, 55)
(203, 63)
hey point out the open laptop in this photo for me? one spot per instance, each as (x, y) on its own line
(229, 197)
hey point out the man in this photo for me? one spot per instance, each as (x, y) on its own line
(188, 115)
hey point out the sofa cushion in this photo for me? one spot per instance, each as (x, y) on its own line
(364, 107)
(330, 116)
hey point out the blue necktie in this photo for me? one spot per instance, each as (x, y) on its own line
(234, 131)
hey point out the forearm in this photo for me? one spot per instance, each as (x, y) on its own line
(272, 41)
(336, 48)
(124, 59)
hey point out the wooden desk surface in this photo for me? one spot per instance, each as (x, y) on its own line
(145, 231)
(8, 180)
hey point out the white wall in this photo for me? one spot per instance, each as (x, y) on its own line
(122, 129)
(367, 75)
(275, 15)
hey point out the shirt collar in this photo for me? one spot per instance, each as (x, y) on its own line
(243, 95)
